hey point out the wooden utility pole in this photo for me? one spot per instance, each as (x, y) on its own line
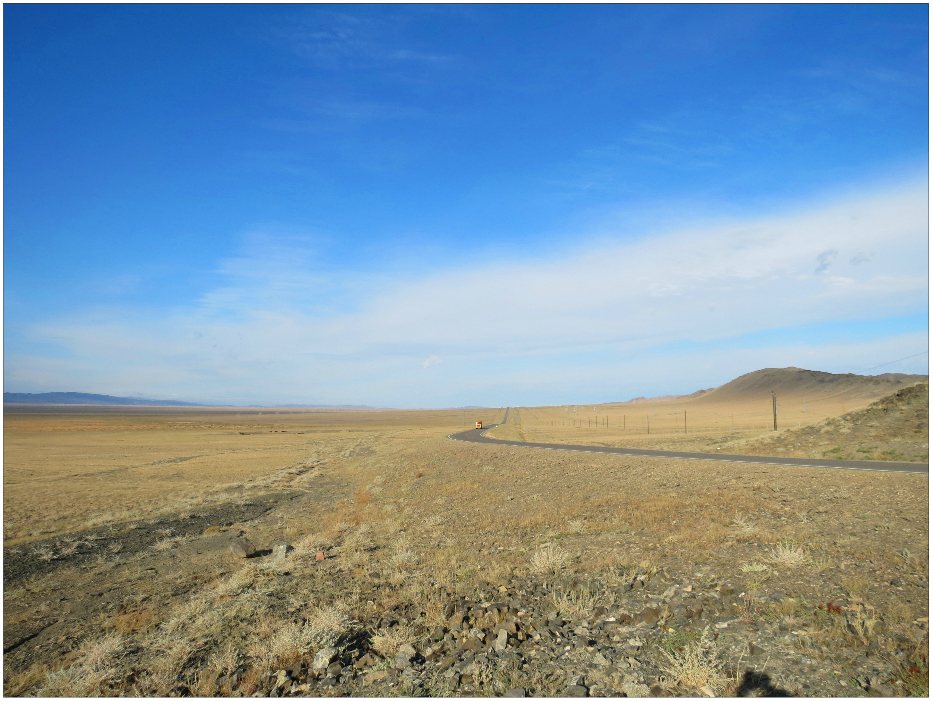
(648, 418)
(774, 409)
(685, 421)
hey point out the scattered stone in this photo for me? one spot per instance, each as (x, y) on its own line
(404, 656)
(599, 659)
(649, 616)
(335, 669)
(577, 691)
(324, 658)
(502, 640)
(319, 556)
(242, 548)
(516, 693)
(373, 677)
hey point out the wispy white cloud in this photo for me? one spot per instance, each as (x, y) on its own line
(281, 327)
(342, 40)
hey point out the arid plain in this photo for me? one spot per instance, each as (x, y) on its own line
(345, 552)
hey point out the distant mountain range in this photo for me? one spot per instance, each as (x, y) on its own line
(85, 398)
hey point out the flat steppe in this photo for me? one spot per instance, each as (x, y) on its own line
(385, 559)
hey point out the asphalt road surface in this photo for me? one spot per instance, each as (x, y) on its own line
(479, 436)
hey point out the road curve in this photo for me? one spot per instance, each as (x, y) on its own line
(474, 436)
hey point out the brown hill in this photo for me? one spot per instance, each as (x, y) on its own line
(809, 383)
(896, 427)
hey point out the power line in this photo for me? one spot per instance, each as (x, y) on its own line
(896, 361)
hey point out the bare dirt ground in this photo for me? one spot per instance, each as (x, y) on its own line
(385, 559)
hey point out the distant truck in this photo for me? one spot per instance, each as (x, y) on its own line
(479, 424)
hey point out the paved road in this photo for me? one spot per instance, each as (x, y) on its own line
(474, 436)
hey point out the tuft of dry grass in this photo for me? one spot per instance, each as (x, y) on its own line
(788, 555)
(328, 625)
(577, 603)
(549, 559)
(90, 673)
(387, 641)
(577, 526)
(753, 567)
(697, 665)
(404, 556)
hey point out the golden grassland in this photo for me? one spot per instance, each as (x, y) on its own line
(78, 468)
(116, 593)
(729, 422)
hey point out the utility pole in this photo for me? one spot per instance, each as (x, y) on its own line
(648, 419)
(685, 420)
(774, 408)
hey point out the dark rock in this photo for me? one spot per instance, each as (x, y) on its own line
(516, 693)
(649, 616)
(473, 645)
(754, 650)
(577, 691)
(296, 670)
(334, 669)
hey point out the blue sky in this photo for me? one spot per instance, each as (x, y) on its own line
(429, 206)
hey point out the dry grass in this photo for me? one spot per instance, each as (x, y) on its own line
(578, 603)
(151, 460)
(549, 559)
(387, 641)
(410, 519)
(730, 423)
(697, 665)
(788, 555)
(90, 673)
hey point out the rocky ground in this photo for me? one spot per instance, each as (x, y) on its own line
(653, 635)
(409, 564)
